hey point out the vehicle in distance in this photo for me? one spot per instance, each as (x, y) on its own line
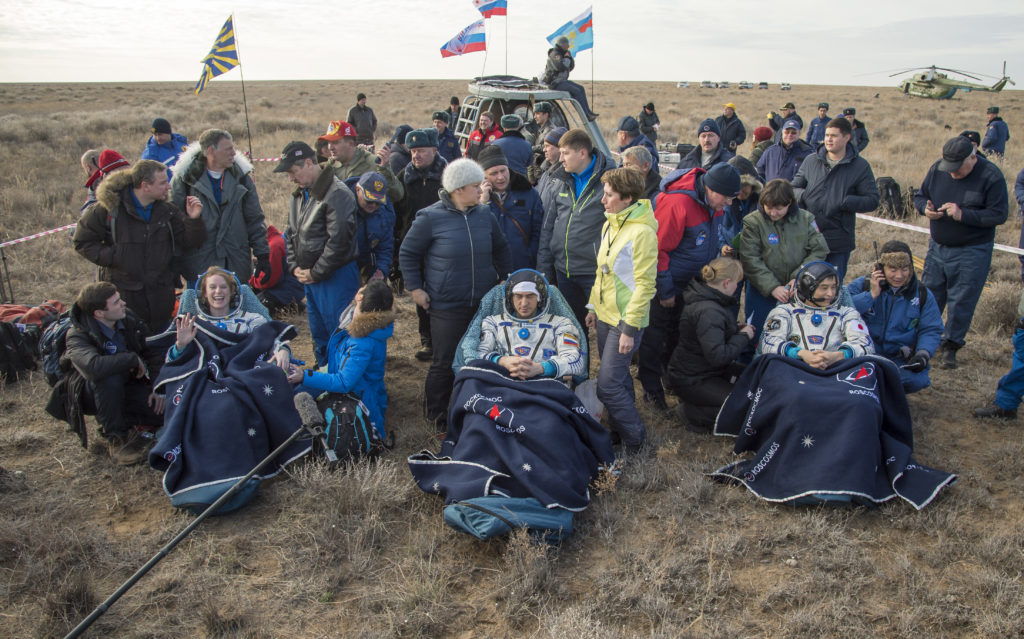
(785, 86)
(762, 85)
(683, 84)
(745, 85)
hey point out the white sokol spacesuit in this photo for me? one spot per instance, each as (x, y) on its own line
(802, 325)
(551, 340)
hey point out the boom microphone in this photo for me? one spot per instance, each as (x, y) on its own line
(313, 421)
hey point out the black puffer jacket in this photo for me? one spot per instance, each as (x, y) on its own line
(421, 190)
(709, 337)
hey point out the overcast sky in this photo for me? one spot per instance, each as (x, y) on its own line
(797, 41)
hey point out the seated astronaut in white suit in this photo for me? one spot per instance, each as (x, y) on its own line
(525, 338)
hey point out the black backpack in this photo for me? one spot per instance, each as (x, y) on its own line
(52, 345)
(16, 353)
(349, 431)
(891, 203)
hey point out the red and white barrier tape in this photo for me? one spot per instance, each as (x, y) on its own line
(265, 159)
(924, 229)
(21, 240)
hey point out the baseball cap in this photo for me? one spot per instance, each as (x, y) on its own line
(628, 123)
(338, 129)
(791, 124)
(954, 152)
(294, 153)
(729, 105)
(789, 105)
(374, 186)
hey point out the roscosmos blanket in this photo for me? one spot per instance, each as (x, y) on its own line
(514, 438)
(839, 434)
(227, 407)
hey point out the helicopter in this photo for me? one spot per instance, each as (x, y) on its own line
(939, 86)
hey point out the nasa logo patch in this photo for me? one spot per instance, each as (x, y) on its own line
(701, 238)
(773, 238)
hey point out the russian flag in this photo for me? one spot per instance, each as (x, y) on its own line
(468, 40)
(491, 8)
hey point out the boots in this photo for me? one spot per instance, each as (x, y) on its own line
(128, 449)
(994, 410)
(948, 360)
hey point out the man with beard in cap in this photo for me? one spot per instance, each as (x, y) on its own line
(709, 150)
(689, 214)
(776, 120)
(964, 197)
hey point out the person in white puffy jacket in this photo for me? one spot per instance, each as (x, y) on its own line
(525, 338)
(814, 326)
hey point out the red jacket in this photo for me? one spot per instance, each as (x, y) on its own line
(688, 230)
(277, 260)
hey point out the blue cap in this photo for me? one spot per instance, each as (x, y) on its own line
(709, 126)
(374, 186)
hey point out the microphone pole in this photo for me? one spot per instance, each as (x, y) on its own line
(312, 427)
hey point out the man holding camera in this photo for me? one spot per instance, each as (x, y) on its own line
(964, 197)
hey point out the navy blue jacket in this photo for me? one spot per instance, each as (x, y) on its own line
(816, 131)
(996, 136)
(517, 151)
(779, 162)
(448, 145)
(521, 217)
(455, 256)
(732, 131)
(981, 196)
(375, 234)
(896, 317)
(644, 141)
(835, 195)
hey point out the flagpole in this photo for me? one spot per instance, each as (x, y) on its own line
(506, 41)
(245, 104)
(483, 69)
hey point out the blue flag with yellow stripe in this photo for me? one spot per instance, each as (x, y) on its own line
(222, 57)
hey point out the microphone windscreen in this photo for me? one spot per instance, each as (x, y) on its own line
(310, 414)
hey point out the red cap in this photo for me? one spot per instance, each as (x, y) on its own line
(109, 161)
(338, 129)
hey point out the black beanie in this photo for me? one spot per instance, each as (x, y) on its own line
(723, 179)
(491, 156)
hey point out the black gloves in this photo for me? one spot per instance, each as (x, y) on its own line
(918, 362)
(263, 270)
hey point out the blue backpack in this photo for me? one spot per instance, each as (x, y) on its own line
(349, 432)
(52, 344)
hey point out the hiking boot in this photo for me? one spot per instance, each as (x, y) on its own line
(592, 116)
(128, 449)
(948, 360)
(994, 410)
(426, 353)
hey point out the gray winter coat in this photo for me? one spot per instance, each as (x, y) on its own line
(235, 228)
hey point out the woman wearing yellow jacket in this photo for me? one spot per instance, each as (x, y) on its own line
(627, 263)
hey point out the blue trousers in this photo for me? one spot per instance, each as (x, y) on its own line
(1011, 386)
(955, 276)
(325, 301)
(615, 385)
(840, 261)
(577, 92)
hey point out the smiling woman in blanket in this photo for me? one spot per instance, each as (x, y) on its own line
(219, 301)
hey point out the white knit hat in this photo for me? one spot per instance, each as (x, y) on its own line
(460, 173)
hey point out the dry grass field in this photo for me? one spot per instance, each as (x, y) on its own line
(664, 552)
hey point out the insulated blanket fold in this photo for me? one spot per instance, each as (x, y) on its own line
(514, 438)
(838, 434)
(227, 408)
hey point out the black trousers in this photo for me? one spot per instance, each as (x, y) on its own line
(660, 339)
(702, 401)
(423, 318)
(120, 402)
(447, 327)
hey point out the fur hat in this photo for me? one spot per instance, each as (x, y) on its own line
(511, 122)
(491, 156)
(419, 138)
(709, 126)
(896, 254)
(442, 116)
(461, 173)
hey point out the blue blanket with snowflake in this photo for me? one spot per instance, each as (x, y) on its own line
(842, 434)
(227, 408)
(514, 438)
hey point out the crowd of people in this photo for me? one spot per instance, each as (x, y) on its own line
(658, 262)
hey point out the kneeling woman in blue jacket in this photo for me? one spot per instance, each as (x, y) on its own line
(356, 352)
(902, 316)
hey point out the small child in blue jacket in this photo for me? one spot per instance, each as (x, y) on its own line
(356, 353)
(901, 315)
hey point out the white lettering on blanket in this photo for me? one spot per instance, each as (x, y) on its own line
(751, 474)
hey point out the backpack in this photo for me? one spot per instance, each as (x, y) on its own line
(891, 203)
(348, 431)
(52, 344)
(16, 352)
